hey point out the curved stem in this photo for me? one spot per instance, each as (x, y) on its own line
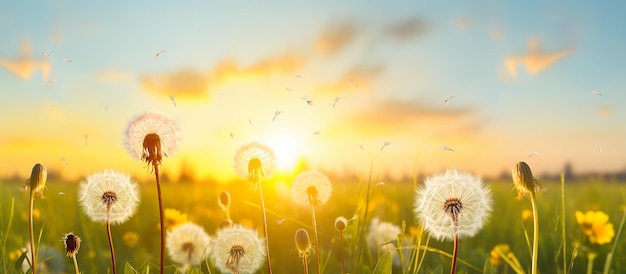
(343, 256)
(75, 264)
(111, 247)
(267, 242)
(317, 253)
(161, 218)
(33, 253)
(455, 253)
(533, 201)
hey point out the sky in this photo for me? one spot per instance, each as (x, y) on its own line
(346, 87)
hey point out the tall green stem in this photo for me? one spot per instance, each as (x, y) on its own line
(75, 264)
(316, 240)
(111, 247)
(267, 242)
(591, 257)
(533, 202)
(563, 222)
(161, 217)
(343, 255)
(33, 252)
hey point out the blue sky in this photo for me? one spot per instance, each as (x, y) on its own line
(521, 74)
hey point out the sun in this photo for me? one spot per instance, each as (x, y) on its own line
(286, 151)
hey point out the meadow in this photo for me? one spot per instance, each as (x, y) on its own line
(137, 245)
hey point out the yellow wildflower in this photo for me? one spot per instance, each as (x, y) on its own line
(494, 255)
(174, 218)
(130, 238)
(527, 214)
(595, 224)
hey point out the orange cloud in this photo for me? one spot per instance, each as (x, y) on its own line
(192, 83)
(24, 66)
(336, 38)
(535, 60)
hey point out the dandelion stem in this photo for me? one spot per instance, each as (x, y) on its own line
(343, 256)
(533, 202)
(591, 257)
(455, 252)
(75, 264)
(563, 222)
(161, 216)
(317, 253)
(33, 253)
(305, 263)
(267, 242)
(111, 247)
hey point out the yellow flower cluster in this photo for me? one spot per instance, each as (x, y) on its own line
(174, 218)
(595, 224)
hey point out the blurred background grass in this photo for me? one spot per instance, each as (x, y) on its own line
(137, 240)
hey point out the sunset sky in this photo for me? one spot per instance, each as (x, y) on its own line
(535, 81)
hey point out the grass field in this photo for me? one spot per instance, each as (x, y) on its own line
(59, 213)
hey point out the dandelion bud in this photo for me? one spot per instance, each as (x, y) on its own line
(341, 223)
(37, 181)
(72, 243)
(523, 180)
(223, 200)
(225, 223)
(303, 244)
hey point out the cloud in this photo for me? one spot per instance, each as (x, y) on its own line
(535, 60)
(360, 77)
(336, 38)
(406, 30)
(392, 117)
(184, 83)
(25, 66)
(189, 83)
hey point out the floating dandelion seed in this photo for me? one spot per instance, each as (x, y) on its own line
(354, 83)
(238, 250)
(532, 154)
(45, 53)
(61, 193)
(379, 184)
(288, 89)
(232, 136)
(276, 113)
(299, 76)
(316, 133)
(108, 196)
(361, 146)
(86, 138)
(447, 99)
(595, 92)
(173, 99)
(188, 244)
(309, 102)
(158, 54)
(250, 122)
(443, 147)
(384, 145)
(281, 221)
(336, 100)
(64, 161)
(67, 60)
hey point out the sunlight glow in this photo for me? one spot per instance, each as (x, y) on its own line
(286, 151)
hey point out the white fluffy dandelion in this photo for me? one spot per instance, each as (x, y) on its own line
(151, 136)
(439, 192)
(382, 238)
(254, 161)
(237, 249)
(188, 244)
(311, 187)
(108, 196)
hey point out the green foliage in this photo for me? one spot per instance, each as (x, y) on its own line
(384, 265)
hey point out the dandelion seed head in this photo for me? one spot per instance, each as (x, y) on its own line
(37, 181)
(151, 136)
(108, 195)
(382, 238)
(303, 243)
(453, 202)
(188, 244)
(72, 243)
(238, 250)
(311, 187)
(254, 161)
(523, 180)
(341, 223)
